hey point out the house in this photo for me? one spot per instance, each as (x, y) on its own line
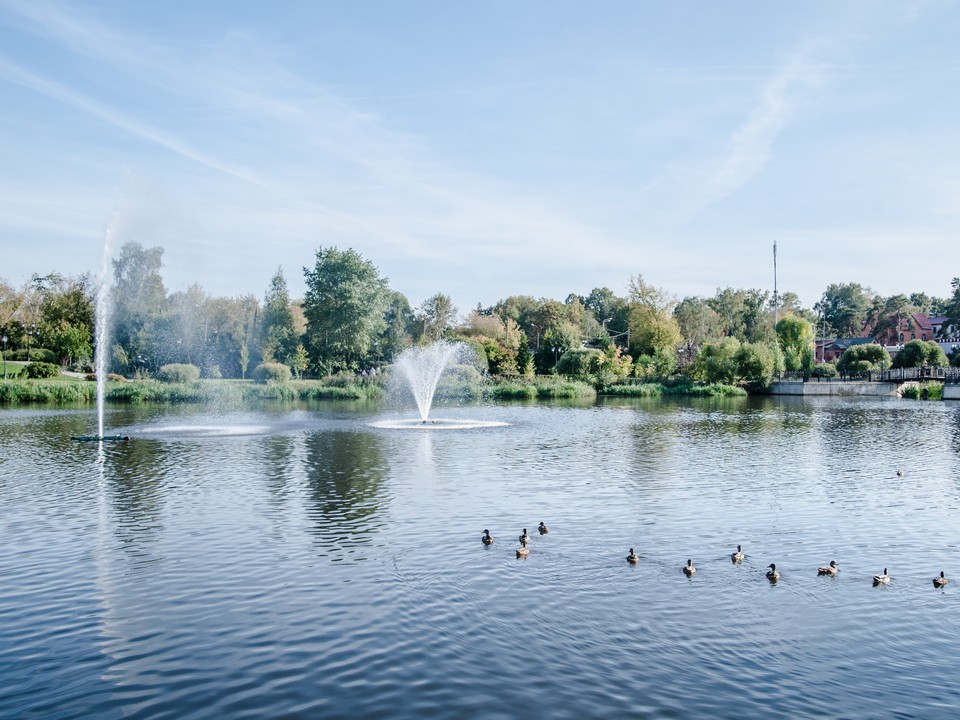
(831, 349)
(899, 329)
(943, 330)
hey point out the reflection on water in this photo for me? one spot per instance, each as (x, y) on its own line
(345, 474)
(325, 568)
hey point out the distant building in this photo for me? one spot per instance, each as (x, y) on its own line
(831, 349)
(900, 329)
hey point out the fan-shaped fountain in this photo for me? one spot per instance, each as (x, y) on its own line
(417, 372)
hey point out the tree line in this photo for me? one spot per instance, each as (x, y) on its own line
(350, 320)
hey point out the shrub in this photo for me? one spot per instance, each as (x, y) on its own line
(272, 372)
(860, 359)
(179, 373)
(579, 363)
(212, 372)
(917, 352)
(922, 391)
(37, 370)
(36, 354)
(824, 370)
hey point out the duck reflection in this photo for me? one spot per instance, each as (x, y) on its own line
(345, 476)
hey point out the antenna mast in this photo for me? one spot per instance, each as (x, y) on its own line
(776, 299)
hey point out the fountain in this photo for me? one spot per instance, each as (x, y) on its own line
(417, 372)
(102, 339)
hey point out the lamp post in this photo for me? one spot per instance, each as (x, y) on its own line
(4, 357)
(30, 332)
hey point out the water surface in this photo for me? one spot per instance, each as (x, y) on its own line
(304, 563)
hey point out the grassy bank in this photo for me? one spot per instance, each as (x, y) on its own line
(687, 389)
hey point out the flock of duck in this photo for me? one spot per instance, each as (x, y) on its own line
(737, 556)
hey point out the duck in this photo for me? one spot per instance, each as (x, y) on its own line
(633, 558)
(543, 528)
(524, 538)
(738, 556)
(831, 569)
(883, 579)
(900, 473)
(689, 569)
(940, 580)
(523, 552)
(773, 574)
(486, 539)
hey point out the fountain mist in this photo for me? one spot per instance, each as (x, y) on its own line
(422, 368)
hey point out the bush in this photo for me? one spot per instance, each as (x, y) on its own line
(824, 370)
(179, 373)
(37, 354)
(922, 391)
(580, 363)
(213, 372)
(38, 370)
(272, 372)
(861, 359)
(917, 352)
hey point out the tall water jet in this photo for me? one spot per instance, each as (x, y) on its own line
(422, 367)
(102, 340)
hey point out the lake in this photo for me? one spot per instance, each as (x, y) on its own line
(297, 561)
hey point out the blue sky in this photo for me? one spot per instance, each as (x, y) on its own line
(487, 149)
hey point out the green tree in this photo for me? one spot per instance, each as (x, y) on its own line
(951, 311)
(299, 361)
(861, 359)
(139, 304)
(756, 364)
(400, 327)
(796, 337)
(845, 308)
(698, 323)
(717, 362)
(278, 338)
(917, 352)
(653, 327)
(345, 308)
(437, 314)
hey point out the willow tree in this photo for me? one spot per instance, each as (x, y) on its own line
(344, 307)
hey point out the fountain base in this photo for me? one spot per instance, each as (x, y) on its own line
(99, 438)
(436, 424)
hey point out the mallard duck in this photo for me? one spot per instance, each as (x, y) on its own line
(738, 556)
(486, 539)
(773, 574)
(940, 580)
(881, 579)
(831, 569)
(899, 473)
(633, 558)
(689, 569)
(543, 528)
(524, 538)
(522, 552)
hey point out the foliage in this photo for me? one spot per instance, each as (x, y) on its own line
(140, 307)
(922, 391)
(278, 338)
(824, 370)
(178, 373)
(861, 359)
(757, 362)
(272, 372)
(437, 314)
(845, 307)
(698, 322)
(38, 354)
(918, 352)
(717, 362)
(580, 363)
(795, 336)
(40, 370)
(344, 306)
(299, 361)
(653, 327)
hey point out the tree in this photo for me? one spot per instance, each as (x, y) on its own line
(845, 307)
(400, 327)
(437, 314)
(917, 352)
(717, 362)
(299, 361)
(139, 303)
(345, 304)
(795, 336)
(861, 359)
(951, 310)
(278, 338)
(653, 327)
(756, 364)
(698, 323)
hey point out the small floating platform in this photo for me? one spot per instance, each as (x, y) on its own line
(98, 438)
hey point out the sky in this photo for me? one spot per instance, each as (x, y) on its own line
(486, 149)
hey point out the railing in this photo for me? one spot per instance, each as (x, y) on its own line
(950, 375)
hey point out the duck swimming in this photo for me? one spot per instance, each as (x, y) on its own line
(486, 539)
(883, 579)
(522, 552)
(773, 574)
(633, 558)
(689, 569)
(831, 569)
(524, 538)
(543, 528)
(738, 556)
(940, 580)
